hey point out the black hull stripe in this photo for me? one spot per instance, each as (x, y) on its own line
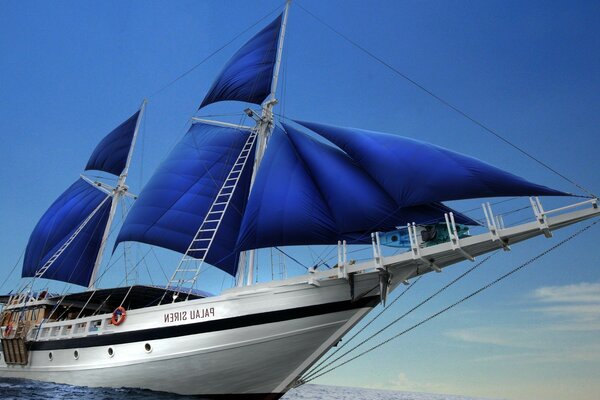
(203, 327)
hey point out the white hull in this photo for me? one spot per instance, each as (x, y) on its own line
(262, 341)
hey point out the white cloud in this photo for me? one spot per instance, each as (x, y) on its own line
(402, 382)
(578, 293)
(556, 312)
(506, 337)
(576, 307)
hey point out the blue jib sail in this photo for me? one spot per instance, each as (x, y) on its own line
(249, 73)
(307, 192)
(415, 172)
(58, 224)
(111, 153)
(172, 206)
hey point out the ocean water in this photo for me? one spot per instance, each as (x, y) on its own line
(21, 389)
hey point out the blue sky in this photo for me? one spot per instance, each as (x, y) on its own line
(70, 72)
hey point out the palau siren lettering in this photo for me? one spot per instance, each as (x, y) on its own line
(189, 315)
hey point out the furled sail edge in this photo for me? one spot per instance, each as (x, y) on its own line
(423, 172)
(81, 207)
(166, 213)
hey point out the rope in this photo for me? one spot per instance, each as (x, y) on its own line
(13, 269)
(316, 368)
(408, 312)
(462, 300)
(443, 101)
(213, 53)
(292, 258)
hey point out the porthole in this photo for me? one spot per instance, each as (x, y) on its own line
(50, 356)
(148, 347)
(111, 352)
(76, 355)
(394, 238)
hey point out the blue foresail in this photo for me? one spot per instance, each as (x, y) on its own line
(285, 206)
(58, 224)
(172, 206)
(249, 73)
(307, 192)
(111, 153)
(414, 172)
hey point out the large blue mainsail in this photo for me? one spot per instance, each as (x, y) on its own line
(111, 153)
(58, 224)
(249, 73)
(415, 172)
(172, 206)
(307, 192)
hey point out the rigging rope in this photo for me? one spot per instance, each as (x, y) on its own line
(213, 53)
(462, 300)
(443, 101)
(406, 313)
(13, 269)
(316, 368)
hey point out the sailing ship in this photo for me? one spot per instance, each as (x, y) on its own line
(224, 191)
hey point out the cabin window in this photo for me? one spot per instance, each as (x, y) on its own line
(76, 354)
(80, 328)
(111, 352)
(148, 347)
(95, 326)
(50, 356)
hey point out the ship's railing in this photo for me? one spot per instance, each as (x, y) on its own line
(421, 258)
(96, 325)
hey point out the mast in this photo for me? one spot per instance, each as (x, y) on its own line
(117, 192)
(264, 126)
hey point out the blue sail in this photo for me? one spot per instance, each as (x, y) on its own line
(414, 172)
(307, 192)
(56, 227)
(172, 206)
(249, 73)
(111, 153)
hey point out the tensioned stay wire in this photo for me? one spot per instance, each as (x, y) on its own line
(442, 100)
(451, 306)
(398, 319)
(213, 53)
(316, 367)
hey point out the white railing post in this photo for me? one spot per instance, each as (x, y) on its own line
(540, 216)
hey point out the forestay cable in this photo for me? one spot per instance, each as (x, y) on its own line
(443, 101)
(316, 368)
(472, 294)
(213, 53)
(380, 331)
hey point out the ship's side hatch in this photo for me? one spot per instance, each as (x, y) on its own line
(14, 346)
(15, 351)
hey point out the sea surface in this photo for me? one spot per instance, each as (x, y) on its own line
(20, 389)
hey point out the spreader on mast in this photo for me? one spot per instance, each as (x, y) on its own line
(118, 191)
(264, 127)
